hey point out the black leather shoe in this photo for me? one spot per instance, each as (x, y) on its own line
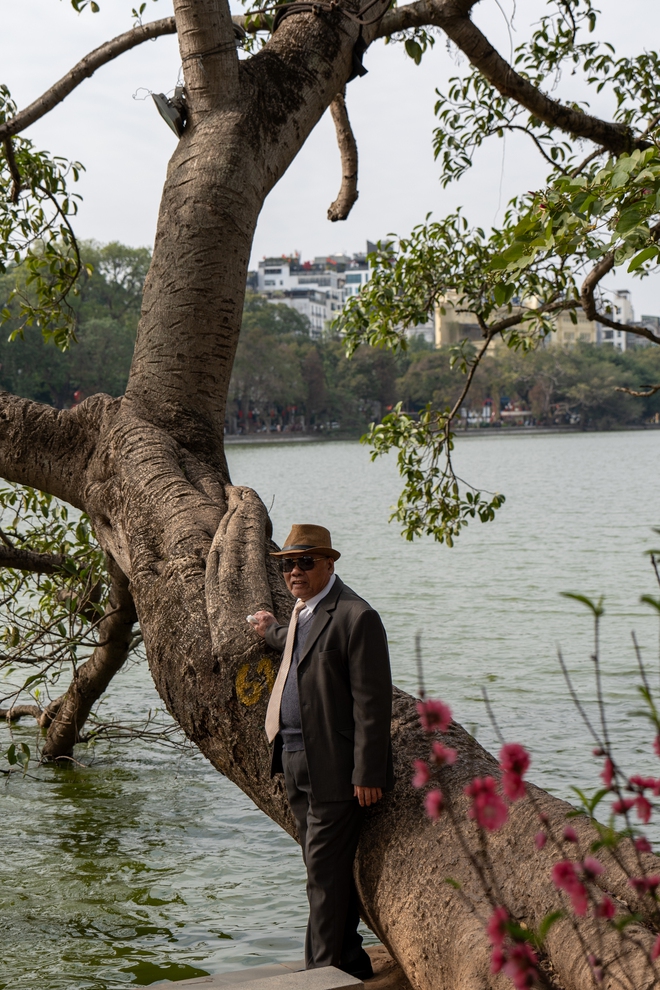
(363, 970)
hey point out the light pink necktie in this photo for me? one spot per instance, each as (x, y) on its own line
(275, 700)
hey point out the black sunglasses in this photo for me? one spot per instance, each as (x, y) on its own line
(305, 563)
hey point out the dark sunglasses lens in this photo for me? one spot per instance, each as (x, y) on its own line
(304, 563)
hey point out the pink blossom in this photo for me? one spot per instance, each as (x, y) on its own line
(656, 745)
(540, 840)
(598, 751)
(643, 807)
(443, 754)
(642, 783)
(655, 951)
(497, 959)
(488, 808)
(592, 867)
(623, 805)
(433, 803)
(434, 715)
(643, 885)
(520, 966)
(514, 761)
(422, 773)
(565, 876)
(514, 758)
(570, 835)
(513, 786)
(643, 845)
(497, 927)
(607, 776)
(606, 908)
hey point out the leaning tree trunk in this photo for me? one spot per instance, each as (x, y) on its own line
(150, 470)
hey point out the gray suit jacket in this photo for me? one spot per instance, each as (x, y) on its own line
(345, 692)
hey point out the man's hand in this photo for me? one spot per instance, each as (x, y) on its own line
(264, 620)
(367, 795)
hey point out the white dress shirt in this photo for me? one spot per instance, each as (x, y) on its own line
(308, 611)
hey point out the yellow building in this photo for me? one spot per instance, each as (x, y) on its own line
(568, 333)
(453, 326)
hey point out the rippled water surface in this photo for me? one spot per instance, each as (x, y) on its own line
(146, 865)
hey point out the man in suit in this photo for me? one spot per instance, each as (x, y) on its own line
(329, 720)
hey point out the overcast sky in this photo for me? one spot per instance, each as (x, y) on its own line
(109, 125)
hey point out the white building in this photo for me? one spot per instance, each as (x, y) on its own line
(621, 312)
(316, 289)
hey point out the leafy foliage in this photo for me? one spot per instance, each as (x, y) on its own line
(106, 313)
(48, 620)
(36, 236)
(549, 255)
(434, 501)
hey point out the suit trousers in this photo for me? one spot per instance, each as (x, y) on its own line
(329, 833)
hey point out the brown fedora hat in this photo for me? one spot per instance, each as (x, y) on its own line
(305, 538)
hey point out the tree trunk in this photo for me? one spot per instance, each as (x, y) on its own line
(151, 472)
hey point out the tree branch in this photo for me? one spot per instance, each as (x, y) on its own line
(13, 170)
(28, 560)
(83, 70)
(453, 18)
(48, 448)
(44, 716)
(348, 191)
(605, 265)
(650, 390)
(16, 712)
(208, 52)
(92, 678)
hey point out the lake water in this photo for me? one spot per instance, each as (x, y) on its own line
(146, 865)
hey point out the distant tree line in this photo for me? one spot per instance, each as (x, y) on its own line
(284, 381)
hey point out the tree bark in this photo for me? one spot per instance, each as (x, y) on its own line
(150, 471)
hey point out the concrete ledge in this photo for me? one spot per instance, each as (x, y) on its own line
(289, 976)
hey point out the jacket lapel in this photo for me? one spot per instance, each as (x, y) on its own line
(322, 615)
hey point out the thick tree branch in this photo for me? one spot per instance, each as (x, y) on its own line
(452, 17)
(17, 712)
(83, 70)
(598, 272)
(604, 266)
(48, 448)
(208, 53)
(348, 191)
(44, 716)
(92, 678)
(28, 560)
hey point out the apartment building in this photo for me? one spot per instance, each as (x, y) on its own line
(318, 289)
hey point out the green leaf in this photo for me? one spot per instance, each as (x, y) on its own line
(596, 607)
(546, 924)
(642, 256)
(414, 50)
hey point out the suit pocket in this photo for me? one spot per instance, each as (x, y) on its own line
(347, 733)
(329, 655)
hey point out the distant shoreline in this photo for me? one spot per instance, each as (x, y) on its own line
(489, 431)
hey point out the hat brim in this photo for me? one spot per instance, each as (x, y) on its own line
(299, 551)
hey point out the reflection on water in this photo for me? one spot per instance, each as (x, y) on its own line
(147, 865)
